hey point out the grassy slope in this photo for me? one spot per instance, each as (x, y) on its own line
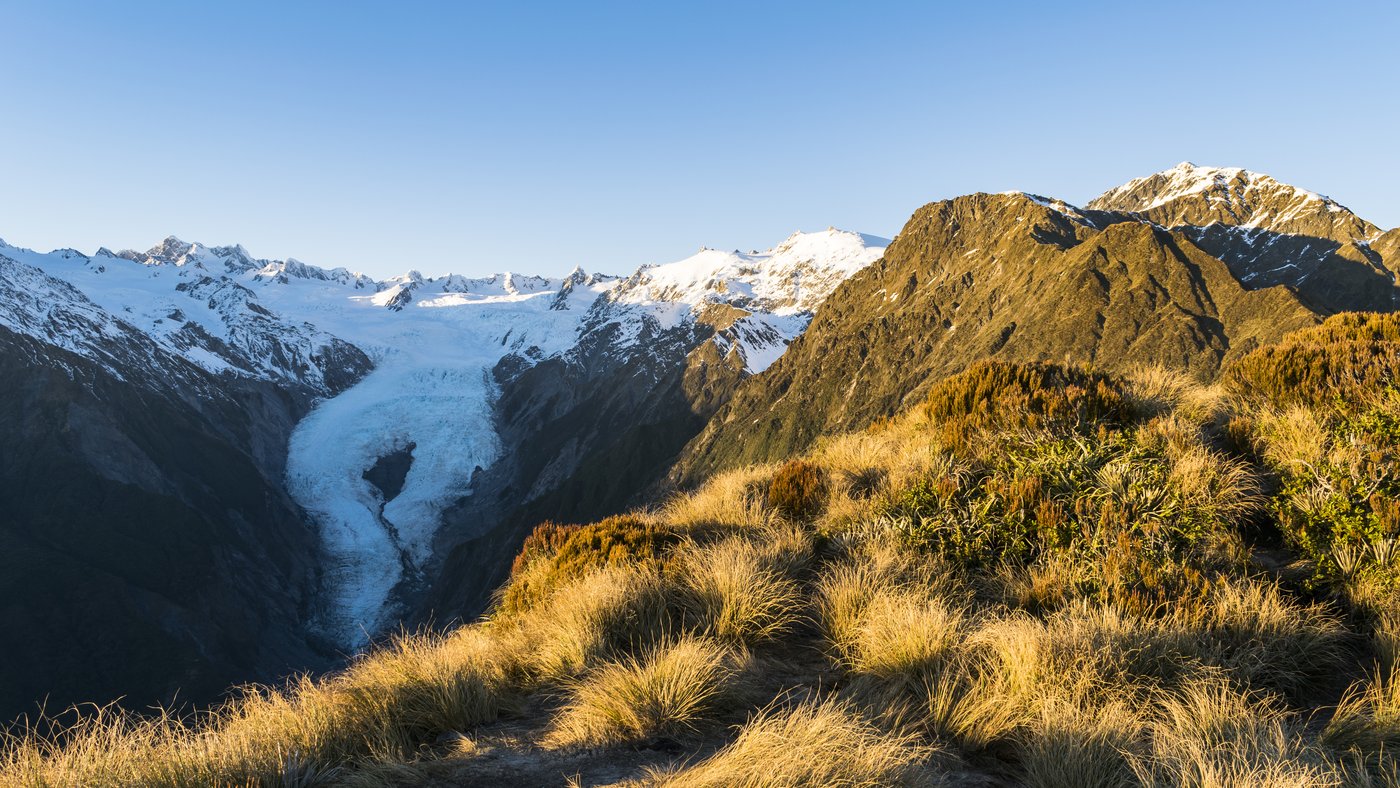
(1040, 575)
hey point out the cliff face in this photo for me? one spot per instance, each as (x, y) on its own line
(147, 548)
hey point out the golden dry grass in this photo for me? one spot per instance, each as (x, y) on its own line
(591, 618)
(381, 708)
(670, 688)
(740, 589)
(816, 743)
(1213, 736)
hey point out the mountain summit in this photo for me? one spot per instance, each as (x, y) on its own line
(1270, 233)
(1008, 276)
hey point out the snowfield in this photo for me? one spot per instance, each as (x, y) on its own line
(434, 343)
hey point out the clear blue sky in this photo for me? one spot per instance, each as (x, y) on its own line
(477, 137)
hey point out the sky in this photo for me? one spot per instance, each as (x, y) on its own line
(533, 137)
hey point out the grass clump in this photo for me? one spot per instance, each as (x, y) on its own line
(668, 689)
(742, 589)
(1367, 722)
(594, 617)
(823, 743)
(1072, 743)
(1211, 734)
(384, 707)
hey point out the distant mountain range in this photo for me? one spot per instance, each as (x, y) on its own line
(218, 468)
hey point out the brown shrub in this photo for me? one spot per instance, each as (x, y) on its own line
(1034, 395)
(1345, 358)
(554, 554)
(798, 490)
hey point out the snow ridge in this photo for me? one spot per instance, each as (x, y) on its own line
(1237, 190)
(776, 291)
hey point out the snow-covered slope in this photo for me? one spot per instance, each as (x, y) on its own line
(1251, 198)
(188, 299)
(432, 344)
(771, 294)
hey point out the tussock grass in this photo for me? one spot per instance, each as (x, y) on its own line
(594, 617)
(1157, 390)
(383, 707)
(1367, 722)
(1258, 635)
(740, 589)
(1213, 736)
(846, 588)
(905, 637)
(816, 743)
(1073, 743)
(732, 499)
(670, 688)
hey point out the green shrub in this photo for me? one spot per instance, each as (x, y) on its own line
(1326, 421)
(798, 490)
(1348, 496)
(1043, 491)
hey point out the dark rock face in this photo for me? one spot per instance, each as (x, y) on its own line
(147, 548)
(993, 276)
(390, 472)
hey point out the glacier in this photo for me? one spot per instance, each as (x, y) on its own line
(433, 342)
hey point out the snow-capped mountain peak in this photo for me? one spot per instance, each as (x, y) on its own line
(792, 277)
(1269, 232)
(1188, 194)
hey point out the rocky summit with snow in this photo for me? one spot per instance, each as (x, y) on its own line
(219, 468)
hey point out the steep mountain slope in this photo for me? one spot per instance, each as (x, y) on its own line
(147, 547)
(1270, 233)
(1009, 276)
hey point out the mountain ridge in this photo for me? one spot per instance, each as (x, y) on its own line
(416, 428)
(1013, 276)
